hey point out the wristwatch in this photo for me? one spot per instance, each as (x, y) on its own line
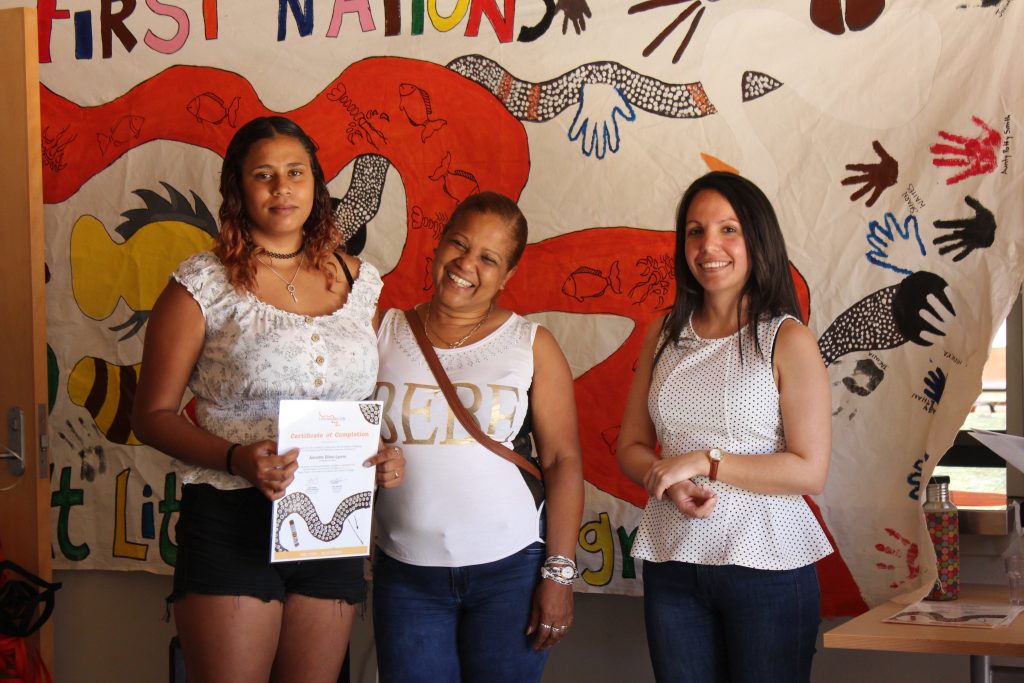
(715, 456)
(560, 569)
(567, 572)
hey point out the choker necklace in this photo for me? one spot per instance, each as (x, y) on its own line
(285, 257)
(457, 344)
(287, 283)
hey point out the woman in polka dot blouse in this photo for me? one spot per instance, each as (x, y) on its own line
(732, 388)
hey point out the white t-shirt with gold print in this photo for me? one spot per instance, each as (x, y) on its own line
(460, 504)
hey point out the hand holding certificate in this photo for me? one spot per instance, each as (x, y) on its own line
(326, 510)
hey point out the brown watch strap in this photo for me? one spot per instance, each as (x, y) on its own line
(713, 473)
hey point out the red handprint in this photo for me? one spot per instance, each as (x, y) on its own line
(977, 154)
(907, 551)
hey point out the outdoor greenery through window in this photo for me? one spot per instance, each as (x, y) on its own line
(975, 479)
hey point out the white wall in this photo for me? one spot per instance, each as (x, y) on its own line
(110, 628)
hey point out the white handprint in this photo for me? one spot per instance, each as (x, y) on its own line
(892, 238)
(596, 121)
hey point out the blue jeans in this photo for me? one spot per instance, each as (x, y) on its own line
(729, 623)
(452, 624)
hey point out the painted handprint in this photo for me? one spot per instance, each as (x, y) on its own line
(875, 178)
(683, 16)
(862, 381)
(914, 297)
(902, 552)
(967, 234)
(575, 11)
(935, 384)
(977, 154)
(888, 238)
(596, 122)
(93, 458)
(888, 318)
(865, 378)
(914, 478)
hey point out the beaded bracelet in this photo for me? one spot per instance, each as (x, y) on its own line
(230, 454)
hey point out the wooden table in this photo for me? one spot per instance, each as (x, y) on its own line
(869, 632)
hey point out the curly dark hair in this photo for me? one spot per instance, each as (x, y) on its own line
(235, 247)
(769, 290)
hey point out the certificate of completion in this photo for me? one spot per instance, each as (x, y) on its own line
(326, 510)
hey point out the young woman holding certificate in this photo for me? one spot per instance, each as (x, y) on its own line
(275, 311)
(467, 585)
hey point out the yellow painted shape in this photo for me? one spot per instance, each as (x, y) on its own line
(596, 537)
(451, 21)
(122, 546)
(104, 271)
(80, 384)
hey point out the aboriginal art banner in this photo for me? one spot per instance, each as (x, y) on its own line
(885, 133)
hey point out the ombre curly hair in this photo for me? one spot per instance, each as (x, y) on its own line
(234, 246)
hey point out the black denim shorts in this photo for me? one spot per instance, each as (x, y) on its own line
(224, 549)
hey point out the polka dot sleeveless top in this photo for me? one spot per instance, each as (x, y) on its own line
(703, 397)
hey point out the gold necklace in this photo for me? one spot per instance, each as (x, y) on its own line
(457, 344)
(287, 283)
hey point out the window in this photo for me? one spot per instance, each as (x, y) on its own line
(977, 475)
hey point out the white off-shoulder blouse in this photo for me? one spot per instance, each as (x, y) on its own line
(255, 355)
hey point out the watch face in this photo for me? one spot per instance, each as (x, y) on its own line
(715, 454)
(567, 573)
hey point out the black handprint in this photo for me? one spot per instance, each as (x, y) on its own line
(575, 10)
(888, 318)
(967, 234)
(874, 177)
(865, 378)
(911, 298)
(935, 384)
(93, 458)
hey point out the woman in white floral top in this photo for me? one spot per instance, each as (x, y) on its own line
(276, 311)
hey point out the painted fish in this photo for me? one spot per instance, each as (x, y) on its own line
(458, 184)
(586, 282)
(126, 128)
(210, 108)
(415, 102)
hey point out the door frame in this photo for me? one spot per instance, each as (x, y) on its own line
(25, 498)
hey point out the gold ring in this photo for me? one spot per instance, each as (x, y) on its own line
(396, 474)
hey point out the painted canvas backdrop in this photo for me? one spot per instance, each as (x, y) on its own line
(886, 136)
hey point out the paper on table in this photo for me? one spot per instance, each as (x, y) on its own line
(326, 510)
(1008, 447)
(957, 613)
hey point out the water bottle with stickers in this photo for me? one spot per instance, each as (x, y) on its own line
(944, 530)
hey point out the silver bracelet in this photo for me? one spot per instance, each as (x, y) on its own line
(560, 569)
(563, 577)
(559, 560)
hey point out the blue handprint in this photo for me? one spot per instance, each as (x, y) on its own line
(935, 384)
(881, 237)
(595, 123)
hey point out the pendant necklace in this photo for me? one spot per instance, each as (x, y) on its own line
(287, 283)
(457, 344)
